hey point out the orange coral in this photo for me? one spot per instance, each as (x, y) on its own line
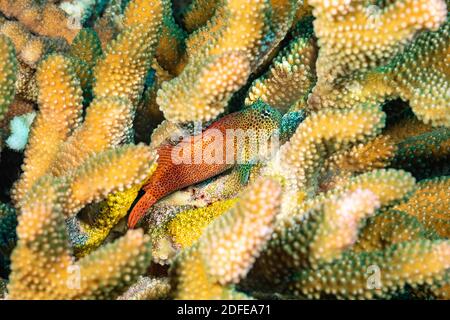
(430, 204)
(43, 19)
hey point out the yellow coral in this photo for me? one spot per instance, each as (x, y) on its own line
(227, 249)
(210, 86)
(416, 262)
(229, 244)
(8, 69)
(387, 228)
(291, 75)
(352, 33)
(42, 267)
(430, 205)
(134, 48)
(188, 226)
(321, 134)
(110, 211)
(417, 74)
(108, 172)
(107, 124)
(60, 109)
(44, 19)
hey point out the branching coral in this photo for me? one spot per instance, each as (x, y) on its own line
(228, 247)
(211, 85)
(44, 19)
(221, 56)
(291, 75)
(8, 67)
(298, 235)
(59, 112)
(413, 263)
(430, 205)
(352, 33)
(147, 289)
(70, 164)
(98, 132)
(343, 195)
(321, 134)
(134, 48)
(30, 48)
(424, 155)
(375, 71)
(87, 236)
(308, 272)
(44, 271)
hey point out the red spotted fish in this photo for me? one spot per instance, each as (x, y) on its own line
(234, 138)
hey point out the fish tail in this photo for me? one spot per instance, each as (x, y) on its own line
(140, 209)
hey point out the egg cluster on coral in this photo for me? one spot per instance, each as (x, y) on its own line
(338, 187)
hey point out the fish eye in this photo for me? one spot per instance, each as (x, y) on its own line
(265, 113)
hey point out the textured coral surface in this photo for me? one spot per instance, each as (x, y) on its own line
(224, 149)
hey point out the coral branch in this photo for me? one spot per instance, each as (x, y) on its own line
(60, 100)
(410, 263)
(8, 69)
(42, 266)
(352, 33)
(321, 134)
(45, 19)
(429, 204)
(291, 75)
(108, 172)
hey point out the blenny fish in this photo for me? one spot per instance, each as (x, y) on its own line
(239, 137)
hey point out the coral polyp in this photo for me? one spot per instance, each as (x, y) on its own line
(224, 149)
